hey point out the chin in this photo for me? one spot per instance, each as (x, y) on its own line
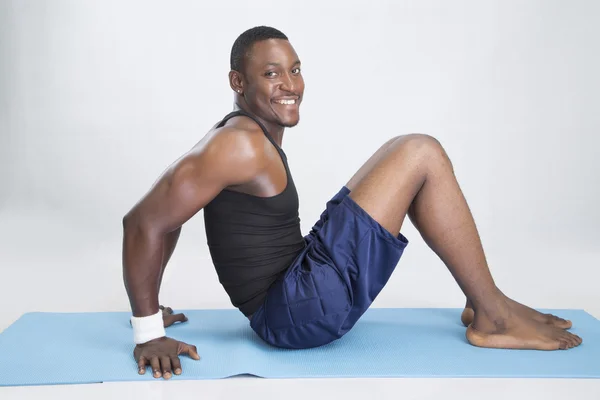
(289, 123)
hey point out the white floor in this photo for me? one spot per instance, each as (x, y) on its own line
(52, 264)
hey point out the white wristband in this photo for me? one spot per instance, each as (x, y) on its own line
(148, 328)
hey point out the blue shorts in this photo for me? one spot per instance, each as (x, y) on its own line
(348, 259)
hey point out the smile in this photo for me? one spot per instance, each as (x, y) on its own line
(287, 102)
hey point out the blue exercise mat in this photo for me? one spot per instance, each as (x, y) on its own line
(67, 348)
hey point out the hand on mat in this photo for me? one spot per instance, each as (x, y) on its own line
(162, 355)
(169, 318)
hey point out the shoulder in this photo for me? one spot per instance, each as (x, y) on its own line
(239, 143)
(235, 153)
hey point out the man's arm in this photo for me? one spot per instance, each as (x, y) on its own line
(230, 158)
(171, 240)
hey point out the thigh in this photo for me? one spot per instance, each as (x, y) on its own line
(368, 165)
(389, 182)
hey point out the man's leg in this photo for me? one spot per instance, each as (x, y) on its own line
(412, 175)
(468, 313)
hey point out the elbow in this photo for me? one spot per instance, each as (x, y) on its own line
(133, 228)
(127, 220)
(134, 223)
(131, 221)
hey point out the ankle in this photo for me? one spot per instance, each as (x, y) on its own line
(493, 311)
(488, 302)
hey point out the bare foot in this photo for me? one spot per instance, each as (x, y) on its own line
(468, 314)
(510, 329)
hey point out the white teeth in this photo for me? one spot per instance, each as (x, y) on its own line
(285, 101)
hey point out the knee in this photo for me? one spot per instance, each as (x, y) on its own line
(423, 146)
(420, 142)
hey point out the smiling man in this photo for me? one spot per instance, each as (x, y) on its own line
(306, 291)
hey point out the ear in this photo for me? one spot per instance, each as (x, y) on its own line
(236, 81)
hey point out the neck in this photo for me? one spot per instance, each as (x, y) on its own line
(273, 130)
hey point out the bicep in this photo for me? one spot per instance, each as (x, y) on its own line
(177, 196)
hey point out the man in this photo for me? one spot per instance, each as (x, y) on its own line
(301, 292)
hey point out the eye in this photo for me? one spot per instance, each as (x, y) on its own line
(296, 70)
(270, 74)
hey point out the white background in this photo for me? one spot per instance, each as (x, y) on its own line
(98, 98)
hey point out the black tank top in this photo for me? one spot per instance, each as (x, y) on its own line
(253, 240)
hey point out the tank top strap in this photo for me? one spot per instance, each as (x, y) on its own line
(237, 113)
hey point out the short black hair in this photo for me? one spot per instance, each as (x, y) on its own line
(243, 44)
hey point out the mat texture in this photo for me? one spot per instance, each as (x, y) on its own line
(67, 348)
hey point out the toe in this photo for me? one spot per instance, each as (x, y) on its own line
(565, 340)
(572, 339)
(560, 322)
(562, 344)
(566, 335)
(563, 336)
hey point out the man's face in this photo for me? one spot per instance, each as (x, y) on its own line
(273, 83)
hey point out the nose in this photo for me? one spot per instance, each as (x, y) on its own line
(288, 83)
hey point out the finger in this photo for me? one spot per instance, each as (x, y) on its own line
(190, 350)
(169, 320)
(155, 363)
(165, 362)
(179, 317)
(142, 365)
(176, 365)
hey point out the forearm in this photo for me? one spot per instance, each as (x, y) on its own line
(142, 267)
(170, 243)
